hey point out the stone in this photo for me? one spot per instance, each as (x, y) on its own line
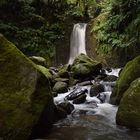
(85, 83)
(76, 93)
(101, 97)
(130, 72)
(83, 66)
(64, 71)
(129, 109)
(111, 78)
(80, 99)
(60, 87)
(39, 60)
(67, 106)
(96, 89)
(26, 103)
(66, 80)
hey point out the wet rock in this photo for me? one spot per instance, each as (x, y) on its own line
(64, 71)
(109, 70)
(80, 99)
(129, 109)
(67, 106)
(101, 97)
(83, 66)
(96, 89)
(76, 93)
(130, 72)
(100, 77)
(60, 87)
(85, 83)
(111, 78)
(39, 60)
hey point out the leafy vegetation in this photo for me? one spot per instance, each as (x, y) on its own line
(118, 25)
(36, 26)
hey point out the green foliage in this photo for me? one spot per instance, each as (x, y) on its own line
(121, 26)
(23, 24)
(82, 8)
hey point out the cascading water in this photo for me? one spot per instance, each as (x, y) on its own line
(94, 119)
(77, 42)
(91, 120)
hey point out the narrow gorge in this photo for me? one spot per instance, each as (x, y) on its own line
(70, 70)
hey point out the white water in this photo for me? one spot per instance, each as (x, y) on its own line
(77, 42)
(104, 109)
(114, 72)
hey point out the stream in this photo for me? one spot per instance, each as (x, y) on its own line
(91, 120)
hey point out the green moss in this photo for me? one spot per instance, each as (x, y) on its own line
(64, 71)
(130, 72)
(84, 66)
(45, 71)
(129, 109)
(24, 92)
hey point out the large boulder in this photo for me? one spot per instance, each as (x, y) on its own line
(84, 66)
(129, 109)
(130, 72)
(26, 104)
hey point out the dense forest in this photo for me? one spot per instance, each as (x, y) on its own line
(36, 26)
(69, 69)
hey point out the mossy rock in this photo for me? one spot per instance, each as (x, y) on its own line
(63, 72)
(129, 109)
(130, 72)
(84, 66)
(39, 60)
(25, 97)
(45, 71)
(60, 87)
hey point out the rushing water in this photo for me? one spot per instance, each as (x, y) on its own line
(91, 120)
(77, 42)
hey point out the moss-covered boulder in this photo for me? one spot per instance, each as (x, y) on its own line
(64, 71)
(60, 87)
(129, 109)
(84, 66)
(39, 60)
(26, 103)
(130, 72)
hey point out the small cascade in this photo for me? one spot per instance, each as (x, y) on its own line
(77, 42)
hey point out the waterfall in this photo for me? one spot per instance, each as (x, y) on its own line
(77, 42)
